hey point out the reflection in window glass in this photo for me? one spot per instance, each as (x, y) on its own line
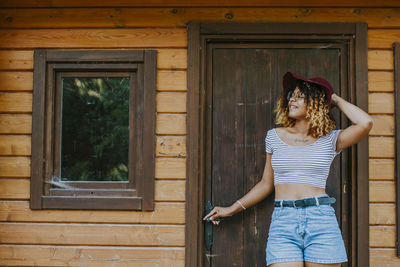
(95, 129)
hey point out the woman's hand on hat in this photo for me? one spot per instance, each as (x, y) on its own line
(335, 99)
(218, 212)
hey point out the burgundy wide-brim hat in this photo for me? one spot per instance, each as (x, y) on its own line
(289, 80)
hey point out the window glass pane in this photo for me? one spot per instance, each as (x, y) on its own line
(95, 129)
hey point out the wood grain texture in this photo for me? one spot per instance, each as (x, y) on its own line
(164, 213)
(15, 124)
(382, 236)
(380, 81)
(170, 168)
(16, 60)
(171, 146)
(171, 124)
(382, 38)
(171, 81)
(381, 169)
(380, 103)
(16, 102)
(167, 59)
(178, 17)
(155, 3)
(93, 38)
(381, 147)
(382, 192)
(383, 257)
(172, 59)
(168, 190)
(382, 214)
(15, 167)
(383, 125)
(88, 234)
(15, 145)
(171, 102)
(16, 81)
(55, 256)
(380, 60)
(14, 189)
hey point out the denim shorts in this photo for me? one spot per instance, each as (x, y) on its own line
(305, 234)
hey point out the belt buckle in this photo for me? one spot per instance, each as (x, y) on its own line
(294, 204)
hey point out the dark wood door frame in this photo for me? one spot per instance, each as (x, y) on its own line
(199, 35)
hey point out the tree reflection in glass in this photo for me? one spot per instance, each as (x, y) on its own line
(95, 129)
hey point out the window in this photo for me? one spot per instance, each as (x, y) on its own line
(93, 129)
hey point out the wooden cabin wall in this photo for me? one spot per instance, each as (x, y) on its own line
(126, 238)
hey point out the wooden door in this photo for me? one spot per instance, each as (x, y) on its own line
(243, 84)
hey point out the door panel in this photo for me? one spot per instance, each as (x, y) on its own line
(243, 84)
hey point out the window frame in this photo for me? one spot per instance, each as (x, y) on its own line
(49, 68)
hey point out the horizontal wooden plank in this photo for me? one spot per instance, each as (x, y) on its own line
(16, 81)
(171, 81)
(383, 125)
(172, 59)
(171, 102)
(88, 234)
(382, 192)
(171, 124)
(16, 102)
(15, 145)
(171, 146)
(18, 167)
(14, 188)
(93, 38)
(382, 38)
(381, 147)
(383, 257)
(167, 59)
(28, 255)
(170, 168)
(167, 190)
(380, 81)
(380, 60)
(164, 213)
(170, 191)
(382, 214)
(382, 103)
(178, 17)
(382, 236)
(157, 3)
(381, 169)
(15, 59)
(15, 124)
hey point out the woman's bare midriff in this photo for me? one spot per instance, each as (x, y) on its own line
(297, 191)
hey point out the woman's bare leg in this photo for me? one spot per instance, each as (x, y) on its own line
(313, 264)
(288, 264)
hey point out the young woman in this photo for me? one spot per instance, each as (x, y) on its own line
(304, 230)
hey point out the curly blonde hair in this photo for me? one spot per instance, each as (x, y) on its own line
(317, 111)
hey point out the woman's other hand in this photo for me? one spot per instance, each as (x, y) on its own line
(219, 212)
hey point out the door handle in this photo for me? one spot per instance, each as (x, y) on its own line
(208, 231)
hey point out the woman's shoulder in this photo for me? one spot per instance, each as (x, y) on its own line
(334, 132)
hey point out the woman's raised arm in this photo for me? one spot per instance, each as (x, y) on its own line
(362, 123)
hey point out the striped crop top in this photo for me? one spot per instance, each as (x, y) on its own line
(307, 164)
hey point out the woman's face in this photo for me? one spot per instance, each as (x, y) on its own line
(297, 105)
